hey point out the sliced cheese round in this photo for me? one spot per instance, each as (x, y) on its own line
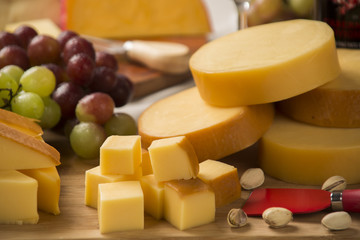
(265, 63)
(214, 132)
(335, 104)
(305, 154)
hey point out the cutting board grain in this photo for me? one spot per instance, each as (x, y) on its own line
(78, 221)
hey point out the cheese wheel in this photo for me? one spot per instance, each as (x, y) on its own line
(265, 63)
(214, 132)
(305, 154)
(335, 104)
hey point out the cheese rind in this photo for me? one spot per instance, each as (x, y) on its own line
(188, 203)
(213, 132)
(265, 63)
(136, 18)
(173, 158)
(223, 179)
(120, 155)
(18, 202)
(48, 188)
(120, 206)
(334, 104)
(153, 196)
(304, 154)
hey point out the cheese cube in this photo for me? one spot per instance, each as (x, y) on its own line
(93, 178)
(120, 155)
(18, 201)
(173, 158)
(120, 206)
(153, 196)
(48, 188)
(188, 203)
(145, 162)
(223, 179)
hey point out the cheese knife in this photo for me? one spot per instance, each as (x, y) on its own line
(300, 201)
(167, 57)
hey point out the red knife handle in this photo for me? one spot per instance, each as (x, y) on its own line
(351, 200)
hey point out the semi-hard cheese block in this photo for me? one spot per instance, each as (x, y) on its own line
(18, 201)
(48, 188)
(121, 206)
(334, 104)
(188, 203)
(120, 155)
(136, 18)
(173, 158)
(265, 63)
(306, 154)
(223, 179)
(22, 151)
(214, 132)
(145, 162)
(153, 196)
(93, 178)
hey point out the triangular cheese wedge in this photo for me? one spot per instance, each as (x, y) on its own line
(21, 151)
(23, 124)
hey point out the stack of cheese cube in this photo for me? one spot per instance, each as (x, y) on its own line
(176, 187)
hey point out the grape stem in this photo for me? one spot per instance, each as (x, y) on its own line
(7, 101)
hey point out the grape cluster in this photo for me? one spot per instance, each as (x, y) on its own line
(65, 84)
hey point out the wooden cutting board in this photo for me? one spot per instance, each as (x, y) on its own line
(78, 221)
(147, 81)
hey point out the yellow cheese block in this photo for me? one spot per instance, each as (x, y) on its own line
(136, 18)
(120, 155)
(22, 151)
(121, 206)
(214, 132)
(48, 188)
(18, 201)
(145, 162)
(43, 26)
(93, 178)
(173, 158)
(265, 63)
(223, 179)
(188, 203)
(304, 154)
(153, 196)
(335, 104)
(20, 123)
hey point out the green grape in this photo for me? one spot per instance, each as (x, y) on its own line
(13, 71)
(86, 139)
(8, 88)
(28, 104)
(51, 115)
(39, 80)
(120, 124)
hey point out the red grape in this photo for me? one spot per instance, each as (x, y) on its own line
(77, 45)
(65, 36)
(43, 49)
(67, 95)
(104, 80)
(107, 60)
(59, 72)
(25, 33)
(7, 39)
(80, 69)
(14, 55)
(123, 90)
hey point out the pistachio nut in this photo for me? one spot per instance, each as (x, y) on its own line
(337, 220)
(252, 178)
(334, 183)
(277, 217)
(237, 218)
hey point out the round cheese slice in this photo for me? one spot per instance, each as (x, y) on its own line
(265, 63)
(214, 132)
(305, 154)
(335, 104)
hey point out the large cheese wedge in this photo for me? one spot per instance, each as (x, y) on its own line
(23, 124)
(22, 151)
(305, 154)
(136, 18)
(265, 63)
(335, 104)
(214, 132)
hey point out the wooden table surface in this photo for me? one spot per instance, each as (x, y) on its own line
(78, 221)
